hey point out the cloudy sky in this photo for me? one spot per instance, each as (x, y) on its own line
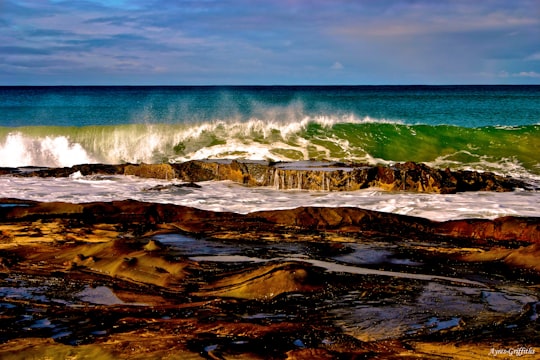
(169, 42)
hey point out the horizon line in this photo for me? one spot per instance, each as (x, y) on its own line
(255, 85)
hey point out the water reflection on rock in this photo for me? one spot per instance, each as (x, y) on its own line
(260, 286)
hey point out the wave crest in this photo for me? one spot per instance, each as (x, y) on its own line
(343, 138)
(52, 151)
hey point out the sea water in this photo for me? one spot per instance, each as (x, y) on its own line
(484, 128)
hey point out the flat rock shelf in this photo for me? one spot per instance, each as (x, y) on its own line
(141, 280)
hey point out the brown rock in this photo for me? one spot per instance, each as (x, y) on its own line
(525, 257)
(143, 217)
(264, 283)
(180, 308)
(327, 176)
(508, 229)
(157, 171)
(311, 354)
(124, 259)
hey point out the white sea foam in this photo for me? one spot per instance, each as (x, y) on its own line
(275, 139)
(53, 151)
(504, 167)
(235, 149)
(150, 143)
(227, 196)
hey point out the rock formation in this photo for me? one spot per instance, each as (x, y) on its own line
(128, 279)
(136, 214)
(310, 175)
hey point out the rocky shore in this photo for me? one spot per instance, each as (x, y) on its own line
(308, 175)
(138, 280)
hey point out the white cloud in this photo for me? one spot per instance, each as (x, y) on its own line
(209, 41)
(337, 66)
(529, 74)
(522, 74)
(535, 56)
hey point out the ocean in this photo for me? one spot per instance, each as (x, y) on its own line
(484, 128)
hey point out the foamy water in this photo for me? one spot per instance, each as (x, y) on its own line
(456, 127)
(232, 197)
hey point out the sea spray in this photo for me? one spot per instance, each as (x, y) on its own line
(18, 149)
(460, 127)
(505, 150)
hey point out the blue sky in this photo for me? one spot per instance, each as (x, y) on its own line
(269, 42)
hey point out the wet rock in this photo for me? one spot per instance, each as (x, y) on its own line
(36, 348)
(314, 354)
(306, 175)
(153, 245)
(507, 229)
(141, 217)
(264, 283)
(84, 169)
(454, 288)
(342, 177)
(173, 187)
(157, 171)
(526, 257)
(125, 259)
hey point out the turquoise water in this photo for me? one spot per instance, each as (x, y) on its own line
(468, 106)
(494, 128)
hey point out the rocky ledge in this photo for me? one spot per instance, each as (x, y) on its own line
(132, 280)
(307, 175)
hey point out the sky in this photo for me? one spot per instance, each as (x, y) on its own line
(274, 42)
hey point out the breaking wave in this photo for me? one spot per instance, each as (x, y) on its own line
(507, 150)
